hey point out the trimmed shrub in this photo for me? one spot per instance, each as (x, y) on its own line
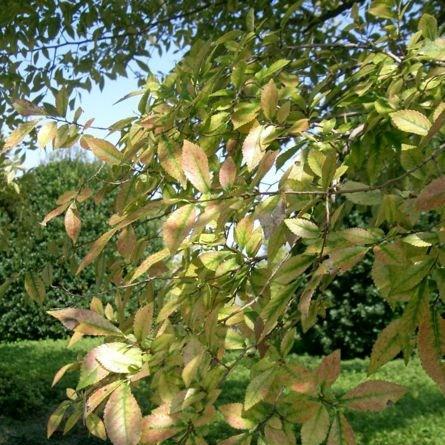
(29, 247)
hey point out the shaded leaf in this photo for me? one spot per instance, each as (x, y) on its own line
(315, 430)
(432, 196)
(374, 395)
(431, 346)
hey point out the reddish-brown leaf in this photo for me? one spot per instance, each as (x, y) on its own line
(329, 369)
(374, 395)
(158, 426)
(227, 173)
(432, 196)
(85, 321)
(72, 223)
(54, 213)
(431, 341)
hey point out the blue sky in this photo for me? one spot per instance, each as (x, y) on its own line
(99, 104)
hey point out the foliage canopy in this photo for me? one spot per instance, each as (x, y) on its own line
(252, 151)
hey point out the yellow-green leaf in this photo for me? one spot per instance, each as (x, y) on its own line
(269, 99)
(35, 287)
(142, 322)
(119, 358)
(411, 121)
(303, 228)
(258, 388)
(19, 134)
(256, 143)
(178, 226)
(123, 417)
(104, 150)
(196, 166)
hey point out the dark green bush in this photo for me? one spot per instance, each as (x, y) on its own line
(27, 246)
(356, 312)
(356, 315)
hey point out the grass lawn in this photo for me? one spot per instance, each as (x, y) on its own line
(26, 398)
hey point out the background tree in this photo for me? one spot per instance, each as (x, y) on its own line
(354, 117)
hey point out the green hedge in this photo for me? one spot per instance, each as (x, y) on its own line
(27, 246)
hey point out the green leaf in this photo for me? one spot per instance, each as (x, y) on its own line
(341, 432)
(258, 388)
(411, 121)
(428, 26)
(266, 72)
(56, 418)
(35, 287)
(387, 346)
(269, 99)
(434, 50)
(95, 426)
(357, 193)
(293, 268)
(142, 322)
(315, 430)
(123, 418)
